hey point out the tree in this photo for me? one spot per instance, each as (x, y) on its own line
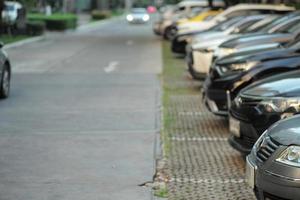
(1, 9)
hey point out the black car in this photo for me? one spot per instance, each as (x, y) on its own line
(273, 167)
(260, 105)
(5, 73)
(230, 74)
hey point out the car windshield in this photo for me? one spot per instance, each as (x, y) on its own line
(138, 11)
(9, 7)
(225, 24)
(274, 23)
(257, 27)
(243, 28)
(290, 27)
(195, 12)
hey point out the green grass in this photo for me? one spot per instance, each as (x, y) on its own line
(6, 39)
(55, 16)
(162, 192)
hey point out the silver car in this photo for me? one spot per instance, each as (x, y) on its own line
(138, 15)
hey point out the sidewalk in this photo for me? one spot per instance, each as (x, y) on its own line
(200, 162)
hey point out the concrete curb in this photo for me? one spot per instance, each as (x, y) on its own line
(23, 42)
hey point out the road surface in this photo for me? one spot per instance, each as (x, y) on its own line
(82, 115)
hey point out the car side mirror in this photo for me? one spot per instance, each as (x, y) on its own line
(1, 45)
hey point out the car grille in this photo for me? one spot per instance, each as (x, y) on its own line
(266, 149)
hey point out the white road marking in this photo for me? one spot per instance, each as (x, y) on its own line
(192, 180)
(111, 66)
(201, 139)
(193, 113)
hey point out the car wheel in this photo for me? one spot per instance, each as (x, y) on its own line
(168, 33)
(5, 82)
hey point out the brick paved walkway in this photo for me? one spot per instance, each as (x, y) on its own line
(200, 162)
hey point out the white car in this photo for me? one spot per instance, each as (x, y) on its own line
(238, 10)
(10, 12)
(202, 53)
(138, 15)
(182, 9)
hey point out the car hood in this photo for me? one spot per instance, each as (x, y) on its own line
(256, 39)
(208, 35)
(194, 27)
(283, 85)
(259, 55)
(286, 132)
(212, 43)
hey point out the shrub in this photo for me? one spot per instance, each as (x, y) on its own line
(35, 27)
(98, 14)
(56, 21)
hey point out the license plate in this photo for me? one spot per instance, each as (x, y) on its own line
(212, 105)
(250, 173)
(234, 127)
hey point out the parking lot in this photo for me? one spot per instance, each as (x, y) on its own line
(200, 162)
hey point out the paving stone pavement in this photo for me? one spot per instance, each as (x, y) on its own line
(200, 162)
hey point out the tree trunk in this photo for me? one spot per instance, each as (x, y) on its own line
(1, 9)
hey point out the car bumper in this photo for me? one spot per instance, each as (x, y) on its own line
(215, 99)
(178, 46)
(190, 67)
(156, 28)
(246, 137)
(274, 186)
(202, 61)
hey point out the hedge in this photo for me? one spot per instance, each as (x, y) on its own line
(98, 14)
(35, 27)
(56, 21)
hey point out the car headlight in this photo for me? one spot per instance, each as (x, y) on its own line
(290, 156)
(236, 68)
(280, 105)
(221, 52)
(129, 18)
(146, 18)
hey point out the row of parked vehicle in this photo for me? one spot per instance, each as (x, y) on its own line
(248, 56)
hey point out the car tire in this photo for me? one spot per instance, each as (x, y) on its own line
(168, 33)
(5, 82)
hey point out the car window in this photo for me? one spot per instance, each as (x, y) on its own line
(274, 23)
(138, 10)
(9, 8)
(290, 27)
(257, 27)
(244, 27)
(225, 24)
(236, 13)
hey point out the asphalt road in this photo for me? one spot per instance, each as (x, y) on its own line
(82, 115)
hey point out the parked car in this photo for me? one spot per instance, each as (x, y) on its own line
(231, 74)
(260, 105)
(205, 14)
(273, 167)
(138, 15)
(204, 53)
(5, 75)
(182, 9)
(238, 10)
(10, 12)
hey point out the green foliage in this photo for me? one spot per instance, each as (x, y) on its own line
(35, 27)
(6, 39)
(98, 14)
(56, 21)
